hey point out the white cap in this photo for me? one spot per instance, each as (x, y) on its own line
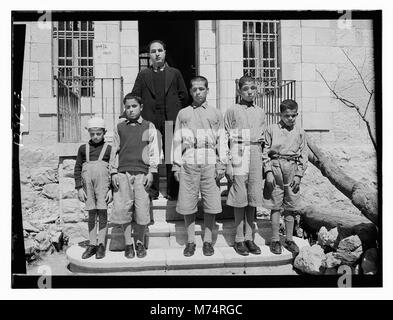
(95, 123)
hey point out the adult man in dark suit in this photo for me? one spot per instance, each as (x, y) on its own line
(163, 94)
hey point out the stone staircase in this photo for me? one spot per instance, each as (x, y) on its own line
(166, 239)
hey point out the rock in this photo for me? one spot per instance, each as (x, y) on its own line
(57, 240)
(349, 250)
(331, 271)
(68, 190)
(44, 175)
(51, 191)
(331, 261)
(73, 232)
(25, 234)
(369, 263)
(30, 246)
(45, 245)
(68, 168)
(72, 211)
(28, 198)
(73, 217)
(310, 260)
(41, 236)
(29, 227)
(327, 238)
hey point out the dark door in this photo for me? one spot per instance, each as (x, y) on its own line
(179, 37)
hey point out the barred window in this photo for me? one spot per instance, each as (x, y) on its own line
(73, 55)
(260, 50)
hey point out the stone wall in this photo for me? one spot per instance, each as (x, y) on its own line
(311, 45)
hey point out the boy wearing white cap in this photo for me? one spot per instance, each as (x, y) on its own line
(92, 180)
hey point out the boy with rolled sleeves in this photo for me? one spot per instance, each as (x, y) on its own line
(245, 125)
(199, 160)
(285, 161)
(134, 158)
(92, 180)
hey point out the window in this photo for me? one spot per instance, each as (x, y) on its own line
(73, 55)
(260, 50)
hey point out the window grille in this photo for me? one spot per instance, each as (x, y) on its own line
(73, 55)
(260, 50)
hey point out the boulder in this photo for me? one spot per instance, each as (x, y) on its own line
(68, 190)
(44, 175)
(74, 232)
(45, 245)
(310, 260)
(41, 236)
(30, 246)
(57, 240)
(369, 263)
(68, 168)
(29, 227)
(28, 198)
(72, 211)
(331, 261)
(51, 191)
(349, 250)
(327, 238)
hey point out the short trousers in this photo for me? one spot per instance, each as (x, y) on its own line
(282, 196)
(131, 202)
(96, 184)
(246, 189)
(195, 178)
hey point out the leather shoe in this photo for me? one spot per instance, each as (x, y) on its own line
(241, 248)
(208, 249)
(100, 251)
(190, 249)
(129, 251)
(252, 247)
(140, 250)
(275, 247)
(291, 246)
(89, 252)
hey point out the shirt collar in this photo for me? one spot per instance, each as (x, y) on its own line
(139, 120)
(246, 103)
(204, 105)
(159, 69)
(284, 126)
(96, 144)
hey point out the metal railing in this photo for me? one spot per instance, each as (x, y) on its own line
(269, 96)
(69, 101)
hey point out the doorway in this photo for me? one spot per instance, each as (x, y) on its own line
(179, 37)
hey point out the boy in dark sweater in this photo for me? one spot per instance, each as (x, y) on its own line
(92, 180)
(134, 159)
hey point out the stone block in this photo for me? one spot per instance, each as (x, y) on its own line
(207, 56)
(236, 69)
(290, 23)
(366, 37)
(47, 106)
(99, 33)
(207, 39)
(40, 52)
(308, 72)
(33, 71)
(176, 260)
(322, 54)
(40, 89)
(317, 121)
(129, 56)
(40, 123)
(230, 52)
(129, 75)
(325, 37)
(129, 25)
(329, 71)
(291, 54)
(107, 52)
(292, 71)
(224, 71)
(113, 33)
(308, 105)
(45, 71)
(315, 89)
(209, 72)
(129, 37)
(308, 36)
(112, 71)
(291, 36)
(39, 35)
(327, 104)
(317, 23)
(32, 104)
(206, 24)
(99, 71)
(362, 24)
(227, 89)
(237, 35)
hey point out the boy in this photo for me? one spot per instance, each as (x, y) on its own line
(245, 125)
(285, 161)
(134, 158)
(92, 180)
(199, 163)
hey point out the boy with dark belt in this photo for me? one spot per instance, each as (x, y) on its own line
(285, 161)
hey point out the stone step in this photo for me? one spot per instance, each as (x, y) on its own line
(172, 258)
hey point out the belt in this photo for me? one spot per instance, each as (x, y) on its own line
(288, 158)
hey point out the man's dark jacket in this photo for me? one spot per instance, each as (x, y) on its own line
(176, 96)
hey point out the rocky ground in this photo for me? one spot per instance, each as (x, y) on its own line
(48, 189)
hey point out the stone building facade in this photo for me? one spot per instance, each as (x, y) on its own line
(303, 48)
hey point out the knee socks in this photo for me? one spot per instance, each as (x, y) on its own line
(92, 225)
(209, 221)
(289, 220)
(189, 221)
(244, 223)
(275, 219)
